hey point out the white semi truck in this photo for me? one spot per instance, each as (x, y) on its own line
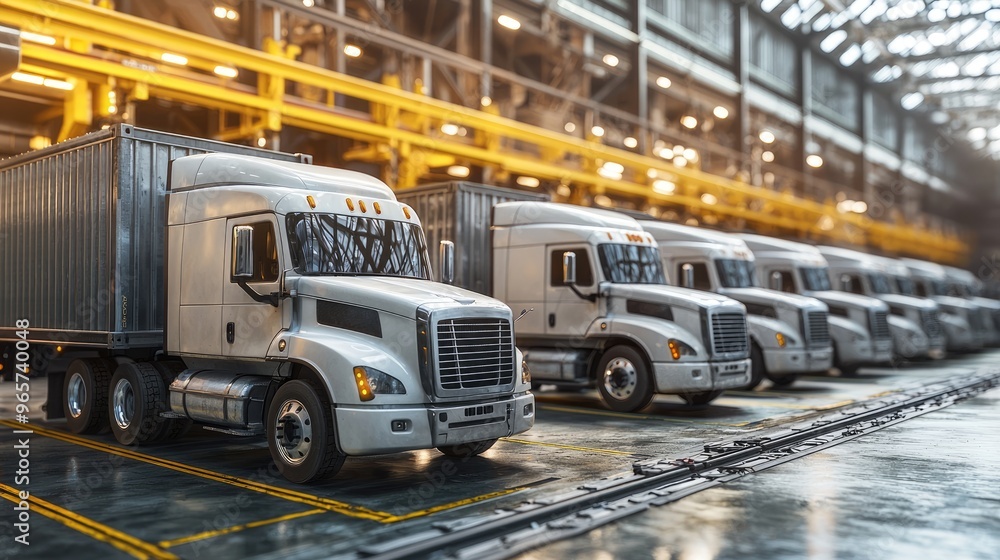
(914, 322)
(930, 280)
(964, 284)
(254, 294)
(789, 334)
(597, 310)
(859, 325)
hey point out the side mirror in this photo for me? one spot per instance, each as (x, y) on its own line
(243, 252)
(446, 262)
(687, 275)
(569, 268)
(777, 281)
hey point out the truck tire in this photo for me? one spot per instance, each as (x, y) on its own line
(846, 370)
(136, 397)
(701, 398)
(300, 433)
(173, 428)
(464, 450)
(758, 371)
(623, 379)
(85, 395)
(783, 380)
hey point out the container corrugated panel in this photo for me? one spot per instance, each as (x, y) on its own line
(82, 235)
(461, 212)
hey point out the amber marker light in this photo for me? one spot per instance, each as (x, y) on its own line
(364, 391)
(350, 205)
(311, 201)
(406, 212)
(378, 209)
(781, 339)
(361, 205)
(675, 351)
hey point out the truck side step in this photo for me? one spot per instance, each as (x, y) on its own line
(235, 432)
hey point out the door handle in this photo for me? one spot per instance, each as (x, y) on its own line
(552, 319)
(230, 332)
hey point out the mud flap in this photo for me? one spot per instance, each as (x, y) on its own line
(53, 406)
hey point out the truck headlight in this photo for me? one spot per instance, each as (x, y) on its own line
(784, 339)
(525, 372)
(679, 348)
(371, 382)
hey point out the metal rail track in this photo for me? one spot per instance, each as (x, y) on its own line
(539, 522)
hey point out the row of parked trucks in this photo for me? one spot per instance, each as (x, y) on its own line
(179, 280)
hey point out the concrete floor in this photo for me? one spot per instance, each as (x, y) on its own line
(211, 495)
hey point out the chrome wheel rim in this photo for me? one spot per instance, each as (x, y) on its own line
(293, 432)
(76, 395)
(620, 378)
(123, 403)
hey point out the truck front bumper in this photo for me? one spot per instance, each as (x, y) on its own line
(371, 431)
(788, 361)
(685, 377)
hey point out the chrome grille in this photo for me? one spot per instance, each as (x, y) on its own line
(475, 353)
(818, 326)
(729, 333)
(880, 325)
(931, 323)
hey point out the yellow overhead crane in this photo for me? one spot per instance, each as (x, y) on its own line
(101, 51)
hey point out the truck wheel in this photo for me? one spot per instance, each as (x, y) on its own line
(757, 368)
(846, 370)
(623, 379)
(136, 398)
(173, 428)
(702, 398)
(467, 449)
(300, 433)
(782, 381)
(85, 396)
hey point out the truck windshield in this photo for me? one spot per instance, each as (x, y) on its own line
(335, 244)
(880, 283)
(735, 273)
(631, 264)
(815, 278)
(904, 285)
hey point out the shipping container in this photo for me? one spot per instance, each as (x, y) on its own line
(82, 235)
(462, 212)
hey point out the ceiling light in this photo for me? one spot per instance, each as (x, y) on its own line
(226, 71)
(261, 142)
(450, 129)
(664, 82)
(459, 171)
(174, 58)
(766, 136)
(845, 206)
(530, 182)
(38, 38)
(611, 60)
(767, 156)
(27, 78)
(630, 142)
(220, 12)
(597, 131)
(651, 173)
(509, 22)
(665, 153)
(309, 3)
(352, 51)
(663, 186)
(609, 174)
(232, 15)
(688, 121)
(690, 154)
(859, 207)
(614, 167)
(569, 127)
(57, 84)
(680, 161)
(709, 198)
(814, 160)
(678, 150)
(603, 200)
(720, 112)
(976, 134)
(911, 100)
(486, 101)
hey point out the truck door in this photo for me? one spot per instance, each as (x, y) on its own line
(248, 325)
(567, 314)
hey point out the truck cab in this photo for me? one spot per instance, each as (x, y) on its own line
(967, 328)
(603, 314)
(789, 333)
(914, 322)
(964, 284)
(859, 325)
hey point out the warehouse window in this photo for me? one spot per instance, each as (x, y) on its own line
(264, 255)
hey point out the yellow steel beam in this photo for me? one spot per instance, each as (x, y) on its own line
(87, 24)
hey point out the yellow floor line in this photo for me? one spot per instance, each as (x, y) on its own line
(237, 528)
(572, 447)
(452, 505)
(98, 531)
(750, 403)
(326, 504)
(633, 416)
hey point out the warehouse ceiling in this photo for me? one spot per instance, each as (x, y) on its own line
(940, 57)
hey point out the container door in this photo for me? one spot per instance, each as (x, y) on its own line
(249, 320)
(567, 314)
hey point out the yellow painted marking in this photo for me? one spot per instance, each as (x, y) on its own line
(573, 447)
(631, 416)
(452, 505)
(836, 405)
(237, 528)
(122, 541)
(326, 504)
